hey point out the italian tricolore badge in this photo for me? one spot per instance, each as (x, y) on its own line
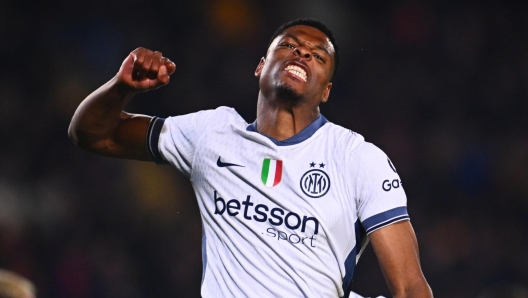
(271, 172)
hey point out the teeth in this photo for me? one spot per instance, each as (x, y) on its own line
(297, 71)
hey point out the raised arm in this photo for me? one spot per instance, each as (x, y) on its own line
(100, 125)
(397, 251)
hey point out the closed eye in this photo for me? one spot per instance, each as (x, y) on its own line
(289, 45)
(318, 57)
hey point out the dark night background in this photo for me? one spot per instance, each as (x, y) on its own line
(440, 86)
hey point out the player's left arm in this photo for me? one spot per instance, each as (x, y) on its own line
(396, 248)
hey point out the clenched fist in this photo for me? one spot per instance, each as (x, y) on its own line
(145, 70)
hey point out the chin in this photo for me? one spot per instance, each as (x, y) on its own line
(287, 93)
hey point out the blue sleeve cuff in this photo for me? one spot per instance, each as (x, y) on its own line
(153, 134)
(386, 218)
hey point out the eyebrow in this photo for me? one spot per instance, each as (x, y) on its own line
(299, 41)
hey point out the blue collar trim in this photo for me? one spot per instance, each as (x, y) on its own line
(298, 138)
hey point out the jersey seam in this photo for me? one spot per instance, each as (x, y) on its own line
(347, 162)
(363, 166)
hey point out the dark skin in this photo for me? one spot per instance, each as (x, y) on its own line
(305, 47)
(287, 103)
(100, 125)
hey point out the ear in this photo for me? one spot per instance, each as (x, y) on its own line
(259, 67)
(326, 92)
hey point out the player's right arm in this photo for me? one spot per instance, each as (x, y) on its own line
(100, 125)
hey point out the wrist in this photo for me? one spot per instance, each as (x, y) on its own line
(121, 89)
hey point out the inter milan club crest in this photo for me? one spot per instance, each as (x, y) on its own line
(271, 172)
(315, 183)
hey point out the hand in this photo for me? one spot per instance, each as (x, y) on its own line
(145, 70)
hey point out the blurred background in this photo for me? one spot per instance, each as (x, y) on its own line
(440, 86)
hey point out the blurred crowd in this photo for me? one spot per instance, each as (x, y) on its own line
(440, 86)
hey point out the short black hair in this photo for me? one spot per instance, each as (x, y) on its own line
(311, 23)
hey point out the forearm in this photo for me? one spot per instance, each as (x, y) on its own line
(99, 124)
(419, 290)
(99, 113)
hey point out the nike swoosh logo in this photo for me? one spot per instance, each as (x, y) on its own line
(225, 164)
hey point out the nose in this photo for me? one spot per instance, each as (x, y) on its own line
(303, 52)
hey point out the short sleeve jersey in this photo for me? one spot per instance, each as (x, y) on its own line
(280, 218)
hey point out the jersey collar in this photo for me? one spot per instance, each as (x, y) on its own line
(298, 138)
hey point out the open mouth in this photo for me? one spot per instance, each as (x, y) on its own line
(297, 72)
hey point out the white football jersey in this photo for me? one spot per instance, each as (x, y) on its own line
(280, 218)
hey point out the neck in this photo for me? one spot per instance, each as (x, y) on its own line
(281, 120)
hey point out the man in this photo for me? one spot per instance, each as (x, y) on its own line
(286, 202)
